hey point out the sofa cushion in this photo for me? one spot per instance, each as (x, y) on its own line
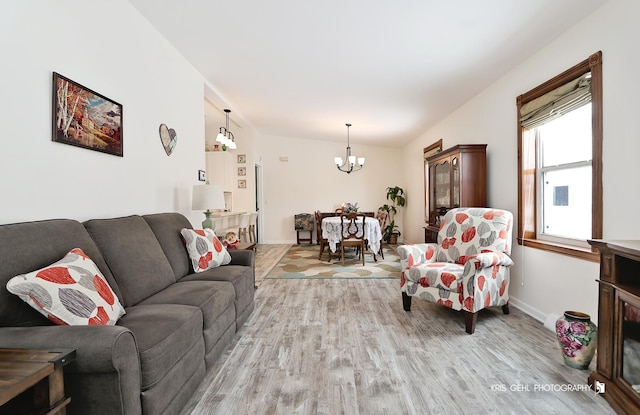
(134, 256)
(71, 291)
(30, 246)
(239, 275)
(166, 227)
(213, 298)
(205, 249)
(242, 278)
(164, 333)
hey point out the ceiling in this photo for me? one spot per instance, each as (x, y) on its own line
(392, 69)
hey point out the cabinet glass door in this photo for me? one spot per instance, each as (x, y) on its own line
(631, 346)
(455, 172)
(432, 194)
(442, 190)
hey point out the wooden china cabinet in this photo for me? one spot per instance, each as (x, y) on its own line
(617, 374)
(457, 177)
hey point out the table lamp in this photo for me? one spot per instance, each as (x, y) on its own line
(206, 197)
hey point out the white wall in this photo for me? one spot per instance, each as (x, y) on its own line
(109, 47)
(546, 283)
(243, 199)
(310, 181)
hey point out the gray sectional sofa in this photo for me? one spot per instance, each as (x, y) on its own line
(177, 323)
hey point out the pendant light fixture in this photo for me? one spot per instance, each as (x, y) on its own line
(225, 137)
(349, 164)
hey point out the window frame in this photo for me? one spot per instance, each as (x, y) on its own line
(528, 164)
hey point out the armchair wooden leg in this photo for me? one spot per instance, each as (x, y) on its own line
(505, 308)
(470, 321)
(406, 302)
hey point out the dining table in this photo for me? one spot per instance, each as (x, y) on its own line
(332, 226)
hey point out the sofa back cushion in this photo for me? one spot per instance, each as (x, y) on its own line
(29, 246)
(133, 255)
(166, 227)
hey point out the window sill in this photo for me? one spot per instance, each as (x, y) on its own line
(569, 250)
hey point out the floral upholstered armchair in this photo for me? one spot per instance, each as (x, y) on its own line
(468, 269)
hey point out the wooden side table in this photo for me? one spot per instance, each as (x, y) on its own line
(31, 381)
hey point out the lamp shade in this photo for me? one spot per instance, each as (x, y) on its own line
(207, 196)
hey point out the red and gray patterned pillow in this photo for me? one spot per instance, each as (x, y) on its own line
(205, 249)
(71, 291)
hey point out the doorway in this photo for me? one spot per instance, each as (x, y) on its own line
(258, 193)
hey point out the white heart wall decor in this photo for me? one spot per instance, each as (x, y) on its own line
(168, 138)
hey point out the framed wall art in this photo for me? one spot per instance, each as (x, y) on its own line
(242, 184)
(242, 158)
(242, 171)
(85, 118)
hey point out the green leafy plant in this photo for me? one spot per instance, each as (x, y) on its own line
(396, 196)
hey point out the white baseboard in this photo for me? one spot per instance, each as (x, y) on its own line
(549, 320)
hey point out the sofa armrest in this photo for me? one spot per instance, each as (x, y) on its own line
(411, 255)
(242, 257)
(99, 349)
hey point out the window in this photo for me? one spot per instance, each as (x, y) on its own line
(560, 161)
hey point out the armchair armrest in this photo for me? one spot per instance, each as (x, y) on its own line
(488, 259)
(411, 255)
(99, 349)
(485, 280)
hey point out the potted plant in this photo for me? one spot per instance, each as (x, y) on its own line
(396, 196)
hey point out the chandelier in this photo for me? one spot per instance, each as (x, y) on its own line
(349, 164)
(226, 138)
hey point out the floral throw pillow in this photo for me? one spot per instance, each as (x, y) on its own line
(205, 249)
(71, 291)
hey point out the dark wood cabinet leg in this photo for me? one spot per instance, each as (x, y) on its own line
(470, 321)
(406, 302)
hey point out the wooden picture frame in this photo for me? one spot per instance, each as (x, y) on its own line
(85, 118)
(427, 152)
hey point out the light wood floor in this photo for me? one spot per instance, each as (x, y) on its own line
(347, 347)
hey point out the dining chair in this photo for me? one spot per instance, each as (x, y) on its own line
(339, 211)
(382, 215)
(244, 227)
(352, 233)
(323, 242)
(253, 221)
(303, 223)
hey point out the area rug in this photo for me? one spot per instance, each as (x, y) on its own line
(301, 261)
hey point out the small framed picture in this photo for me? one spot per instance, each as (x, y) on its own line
(202, 175)
(242, 184)
(242, 171)
(242, 158)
